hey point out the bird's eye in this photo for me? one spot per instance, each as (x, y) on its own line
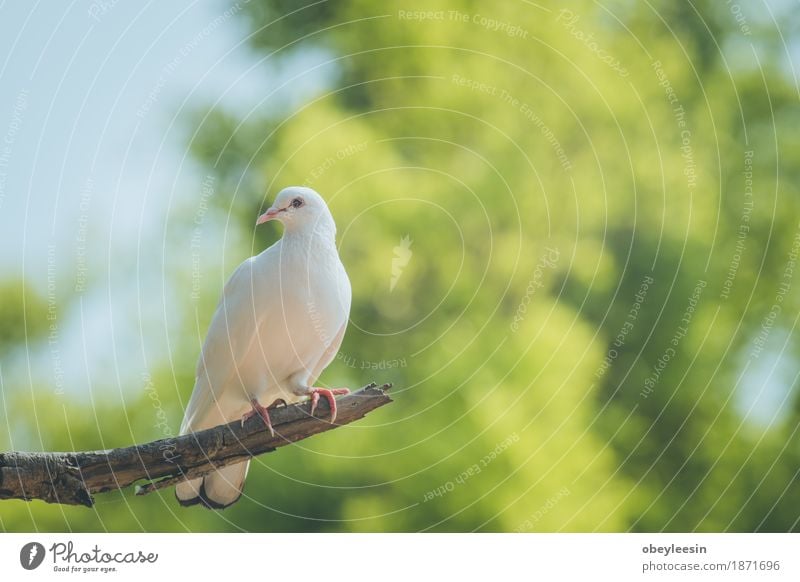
(297, 203)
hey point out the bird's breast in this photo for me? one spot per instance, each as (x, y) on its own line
(299, 314)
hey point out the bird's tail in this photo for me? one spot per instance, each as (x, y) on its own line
(216, 490)
(223, 487)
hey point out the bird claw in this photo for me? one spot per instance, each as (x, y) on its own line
(261, 412)
(329, 396)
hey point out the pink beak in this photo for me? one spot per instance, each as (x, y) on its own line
(270, 214)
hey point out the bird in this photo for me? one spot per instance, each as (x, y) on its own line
(278, 325)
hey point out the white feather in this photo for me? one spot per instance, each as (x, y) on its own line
(278, 325)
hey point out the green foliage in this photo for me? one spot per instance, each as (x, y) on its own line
(23, 316)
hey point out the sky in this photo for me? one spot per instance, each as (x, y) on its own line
(95, 104)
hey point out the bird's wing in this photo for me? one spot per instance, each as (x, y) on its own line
(232, 331)
(327, 355)
(345, 293)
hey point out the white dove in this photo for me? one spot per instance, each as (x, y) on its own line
(278, 325)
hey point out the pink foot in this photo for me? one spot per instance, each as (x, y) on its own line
(260, 411)
(328, 394)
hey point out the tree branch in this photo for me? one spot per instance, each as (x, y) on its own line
(72, 478)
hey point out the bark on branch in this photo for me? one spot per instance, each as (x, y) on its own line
(72, 478)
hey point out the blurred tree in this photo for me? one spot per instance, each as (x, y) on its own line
(600, 212)
(490, 131)
(23, 317)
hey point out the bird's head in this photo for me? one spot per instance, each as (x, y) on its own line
(299, 209)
